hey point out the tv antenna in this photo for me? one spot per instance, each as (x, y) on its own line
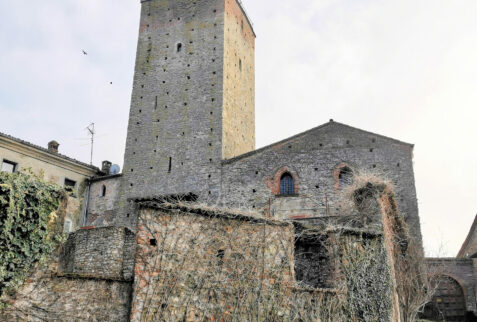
(92, 132)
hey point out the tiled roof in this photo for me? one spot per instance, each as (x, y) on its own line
(42, 149)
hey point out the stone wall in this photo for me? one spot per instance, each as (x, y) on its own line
(47, 297)
(103, 201)
(239, 83)
(174, 141)
(194, 264)
(205, 261)
(469, 247)
(313, 158)
(459, 272)
(102, 253)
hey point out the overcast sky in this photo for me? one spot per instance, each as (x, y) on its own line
(401, 68)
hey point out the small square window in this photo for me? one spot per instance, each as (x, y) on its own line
(9, 166)
(70, 185)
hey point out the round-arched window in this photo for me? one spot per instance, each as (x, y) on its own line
(346, 176)
(287, 184)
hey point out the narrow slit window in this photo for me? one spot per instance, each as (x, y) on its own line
(170, 165)
(240, 64)
(103, 191)
(179, 47)
(220, 257)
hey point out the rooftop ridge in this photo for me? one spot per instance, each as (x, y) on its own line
(242, 7)
(42, 149)
(239, 157)
(461, 254)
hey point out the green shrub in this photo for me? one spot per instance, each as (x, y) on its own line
(31, 219)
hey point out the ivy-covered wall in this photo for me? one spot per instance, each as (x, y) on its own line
(31, 225)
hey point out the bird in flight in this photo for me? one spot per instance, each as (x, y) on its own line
(85, 53)
(111, 83)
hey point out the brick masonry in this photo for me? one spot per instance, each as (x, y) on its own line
(312, 159)
(191, 127)
(176, 122)
(229, 266)
(460, 270)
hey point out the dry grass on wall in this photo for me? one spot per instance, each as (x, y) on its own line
(197, 267)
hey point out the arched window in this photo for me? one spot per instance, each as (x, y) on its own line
(287, 184)
(179, 47)
(103, 191)
(346, 176)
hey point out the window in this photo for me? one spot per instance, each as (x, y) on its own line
(240, 64)
(287, 184)
(70, 185)
(345, 176)
(312, 261)
(67, 226)
(103, 191)
(9, 166)
(179, 47)
(220, 256)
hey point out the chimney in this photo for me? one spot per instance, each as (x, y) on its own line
(53, 146)
(106, 166)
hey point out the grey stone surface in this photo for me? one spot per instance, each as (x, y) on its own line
(174, 143)
(174, 132)
(313, 158)
(103, 208)
(102, 253)
(462, 271)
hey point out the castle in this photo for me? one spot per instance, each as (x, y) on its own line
(200, 225)
(191, 130)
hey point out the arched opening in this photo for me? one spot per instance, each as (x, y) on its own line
(103, 191)
(345, 176)
(448, 302)
(179, 47)
(287, 184)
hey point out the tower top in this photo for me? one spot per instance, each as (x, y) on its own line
(241, 6)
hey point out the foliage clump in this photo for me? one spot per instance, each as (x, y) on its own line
(31, 218)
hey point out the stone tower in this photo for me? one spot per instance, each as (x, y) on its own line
(193, 99)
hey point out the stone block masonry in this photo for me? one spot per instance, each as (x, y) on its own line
(103, 201)
(187, 112)
(199, 264)
(314, 159)
(47, 297)
(101, 253)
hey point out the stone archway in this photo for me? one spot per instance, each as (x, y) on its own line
(448, 303)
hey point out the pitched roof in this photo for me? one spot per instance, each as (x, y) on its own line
(240, 4)
(331, 122)
(42, 149)
(468, 239)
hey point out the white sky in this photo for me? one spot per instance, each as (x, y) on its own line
(401, 68)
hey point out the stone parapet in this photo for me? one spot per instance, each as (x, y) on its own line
(99, 253)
